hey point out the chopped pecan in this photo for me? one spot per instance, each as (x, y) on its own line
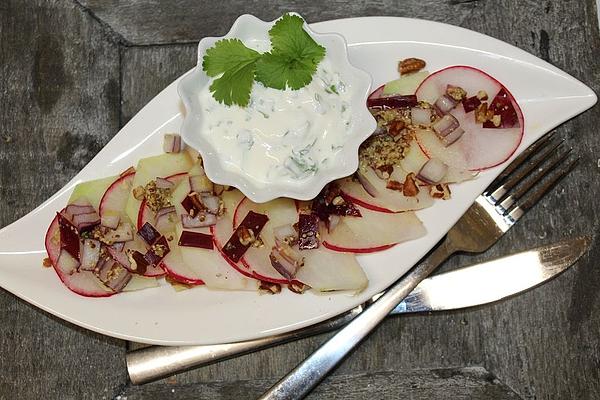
(410, 65)
(298, 287)
(440, 191)
(410, 187)
(482, 95)
(269, 287)
(395, 127)
(139, 192)
(47, 263)
(338, 201)
(384, 171)
(456, 92)
(246, 236)
(483, 114)
(394, 185)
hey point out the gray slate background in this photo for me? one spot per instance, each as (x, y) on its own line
(73, 72)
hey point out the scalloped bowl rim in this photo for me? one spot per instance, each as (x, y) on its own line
(363, 123)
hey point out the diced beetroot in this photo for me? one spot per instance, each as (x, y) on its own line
(192, 204)
(149, 233)
(502, 106)
(470, 103)
(308, 229)
(69, 237)
(141, 263)
(323, 205)
(253, 224)
(196, 239)
(157, 251)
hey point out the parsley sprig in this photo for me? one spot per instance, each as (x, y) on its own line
(291, 63)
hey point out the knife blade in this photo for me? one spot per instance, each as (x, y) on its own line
(465, 287)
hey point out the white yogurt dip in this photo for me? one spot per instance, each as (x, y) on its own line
(282, 135)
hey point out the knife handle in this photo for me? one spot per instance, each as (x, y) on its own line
(156, 362)
(302, 379)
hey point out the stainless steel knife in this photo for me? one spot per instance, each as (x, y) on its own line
(465, 287)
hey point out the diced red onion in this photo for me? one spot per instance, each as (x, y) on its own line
(452, 136)
(445, 103)
(172, 143)
(90, 254)
(445, 125)
(82, 221)
(211, 203)
(110, 220)
(163, 183)
(118, 246)
(75, 209)
(282, 265)
(285, 233)
(113, 275)
(368, 186)
(420, 116)
(123, 233)
(199, 221)
(433, 171)
(119, 256)
(380, 130)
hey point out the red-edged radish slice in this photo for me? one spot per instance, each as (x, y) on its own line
(210, 267)
(147, 215)
(223, 229)
(178, 270)
(481, 147)
(325, 270)
(139, 282)
(374, 231)
(386, 200)
(152, 167)
(280, 211)
(115, 198)
(84, 283)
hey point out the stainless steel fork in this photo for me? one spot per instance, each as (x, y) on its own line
(494, 212)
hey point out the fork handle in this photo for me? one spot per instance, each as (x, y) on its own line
(306, 375)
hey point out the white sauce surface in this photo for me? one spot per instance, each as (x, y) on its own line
(282, 135)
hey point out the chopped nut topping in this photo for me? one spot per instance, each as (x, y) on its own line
(47, 263)
(156, 198)
(246, 236)
(496, 120)
(395, 127)
(159, 249)
(395, 185)
(440, 191)
(482, 95)
(269, 287)
(138, 193)
(298, 287)
(410, 188)
(410, 65)
(456, 92)
(338, 201)
(483, 114)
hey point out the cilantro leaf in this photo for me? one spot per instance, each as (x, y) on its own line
(236, 62)
(278, 72)
(294, 56)
(289, 38)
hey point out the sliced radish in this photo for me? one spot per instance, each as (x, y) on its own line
(114, 200)
(210, 267)
(84, 283)
(91, 192)
(223, 229)
(280, 211)
(149, 168)
(178, 270)
(139, 282)
(325, 270)
(415, 158)
(374, 231)
(406, 84)
(481, 146)
(386, 200)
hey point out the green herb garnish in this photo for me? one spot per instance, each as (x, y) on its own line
(291, 63)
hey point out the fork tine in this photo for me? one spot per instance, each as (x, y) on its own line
(526, 154)
(517, 210)
(516, 194)
(511, 179)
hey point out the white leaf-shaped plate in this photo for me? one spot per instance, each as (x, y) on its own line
(546, 95)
